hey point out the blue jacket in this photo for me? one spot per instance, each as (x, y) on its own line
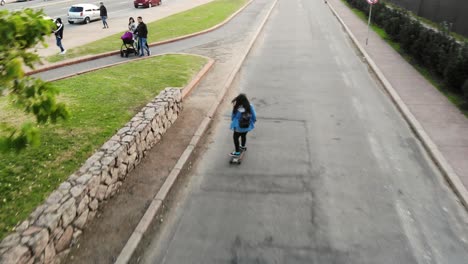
(237, 115)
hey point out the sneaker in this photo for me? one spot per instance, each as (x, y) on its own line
(149, 53)
(63, 52)
(242, 148)
(234, 154)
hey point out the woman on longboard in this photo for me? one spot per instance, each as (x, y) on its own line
(243, 119)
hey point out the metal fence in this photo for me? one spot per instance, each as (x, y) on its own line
(455, 12)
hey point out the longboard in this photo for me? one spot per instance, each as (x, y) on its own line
(237, 159)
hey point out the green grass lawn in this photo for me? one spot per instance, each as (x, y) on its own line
(456, 99)
(100, 102)
(184, 23)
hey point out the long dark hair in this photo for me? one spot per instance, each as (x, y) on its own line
(131, 20)
(241, 100)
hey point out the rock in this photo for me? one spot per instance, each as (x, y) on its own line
(109, 161)
(83, 204)
(73, 177)
(57, 234)
(36, 213)
(91, 215)
(101, 192)
(65, 186)
(49, 220)
(108, 180)
(60, 257)
(39, 260)
(49, 253)
(64, 240)
(83, 179)
(109, 191)
(17, 255)
(128, 139)
(54, 198)
(65, 198)
(25, 240)
(122, 171)
(38, 242)
(114, 172)
(94, 205)
(10, 240)
(132, 158)
(77, 190)
(76, 235)
(123, 130)
(52, 208)
(94, 185)
(81, 220)
(115, 189)
(23, 226)
(69, 212)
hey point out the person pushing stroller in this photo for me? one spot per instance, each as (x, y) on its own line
(142, 34)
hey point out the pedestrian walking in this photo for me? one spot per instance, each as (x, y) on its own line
(243, 118)
(142, 32)
(103, 14)
(59, 35)
(131, 25)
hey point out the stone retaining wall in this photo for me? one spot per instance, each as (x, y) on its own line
(48, 233)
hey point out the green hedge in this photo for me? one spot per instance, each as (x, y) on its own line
(436, 50)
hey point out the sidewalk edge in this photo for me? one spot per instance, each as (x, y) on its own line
(452, 178)
(159, 198)
(159, 43)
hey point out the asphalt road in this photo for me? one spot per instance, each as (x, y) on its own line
(59, 8)
(332, 174)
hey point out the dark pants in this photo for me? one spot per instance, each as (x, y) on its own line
(59, 43)
(104, 21)
(243, 137)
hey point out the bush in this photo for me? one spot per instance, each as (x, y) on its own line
(440, 53)
(465, 90)
(456, 71)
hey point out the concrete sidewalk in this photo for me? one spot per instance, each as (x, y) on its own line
(443, 122)
(88, 33)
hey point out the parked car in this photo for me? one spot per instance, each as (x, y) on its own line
(146, 3)
(83, 13)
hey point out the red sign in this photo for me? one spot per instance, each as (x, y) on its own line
(372, 2)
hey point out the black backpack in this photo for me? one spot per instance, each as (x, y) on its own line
(244, 120)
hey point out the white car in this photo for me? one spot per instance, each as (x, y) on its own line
(83, 13)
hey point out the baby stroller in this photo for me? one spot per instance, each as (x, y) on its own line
(128, 46)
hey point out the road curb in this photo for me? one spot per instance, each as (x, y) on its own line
(160, 197)
(196, 79)
(435, 154)
(112, 53)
